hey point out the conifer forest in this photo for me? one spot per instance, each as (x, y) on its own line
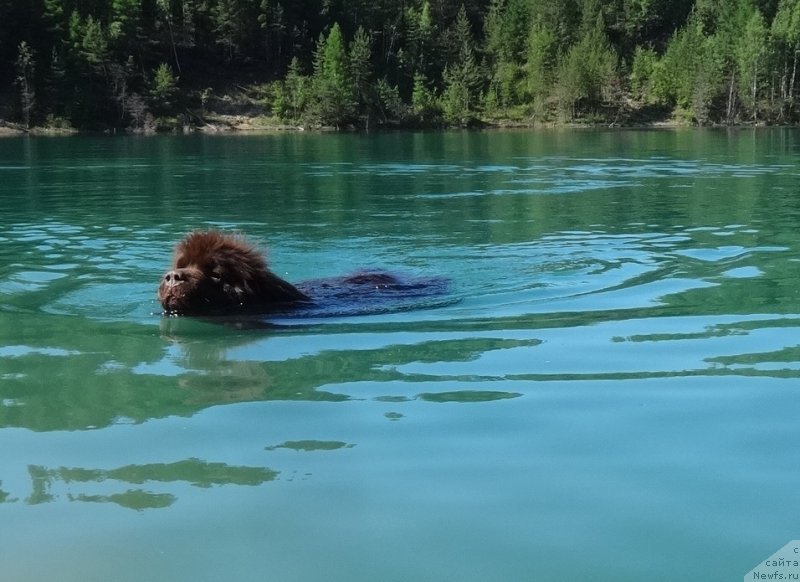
(142, 65)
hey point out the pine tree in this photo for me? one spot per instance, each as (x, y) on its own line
(587, 72)
(334, 99)
(424, 106)
(164, 86)
(462, 76)
(93, 44)
(541, 64)
(505, 70)
(296, 92)
(124, 28)
(420, 53)
(361, 66)
(690, 74)
(26, 68)
(226, 17)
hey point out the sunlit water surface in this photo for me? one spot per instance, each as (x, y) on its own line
(612, 392)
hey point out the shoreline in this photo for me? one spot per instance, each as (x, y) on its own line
(252, 125)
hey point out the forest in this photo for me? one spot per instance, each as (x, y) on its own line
(147, 65)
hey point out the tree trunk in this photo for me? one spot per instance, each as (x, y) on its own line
(731, 97)
(790, 91)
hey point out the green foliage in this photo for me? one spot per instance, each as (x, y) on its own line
(459, 99)
(291, 96)
(711, 61)
(462, 77)
(643, 70)
(55, 123)
(506, 29)
(164, 82)
(164, 88)
(586, 74)
(785, 33)
(124, 23)
(420, 53)
(390, 104)
(694, 74)
(227, 26)
(541, 63)
(750, 52)
(424, 105)
(360, 65)
(334, 95)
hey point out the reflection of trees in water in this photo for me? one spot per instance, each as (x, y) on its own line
(123, 374)
(196, 472)
(5, 497)
(310, 445)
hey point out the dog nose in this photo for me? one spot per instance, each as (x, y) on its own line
(172, 278)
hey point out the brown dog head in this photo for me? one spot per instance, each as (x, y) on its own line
(214, 272)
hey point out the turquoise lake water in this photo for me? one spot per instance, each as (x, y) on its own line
(611, 392)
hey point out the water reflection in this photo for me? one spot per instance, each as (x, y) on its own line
(5, 497)
(626, 344)
(195, 472)
(468, 396)
(219, 375)
(136, 379)
(310, 445)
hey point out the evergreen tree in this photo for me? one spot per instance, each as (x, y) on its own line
(501, 47)
(292, 95)
(420, 53)
(53, 20)
(424, 106)
(334, 99)
(26, 67)
(541, 64)
(643, 69)
(710, 60)
(728, 20)
(93, 43)
(689, 75)
(124, 29)
(55, 87)
(462, 77)
(163, 88)
(587, 72)
(272, 20)
(361, 66)
(389, 103)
